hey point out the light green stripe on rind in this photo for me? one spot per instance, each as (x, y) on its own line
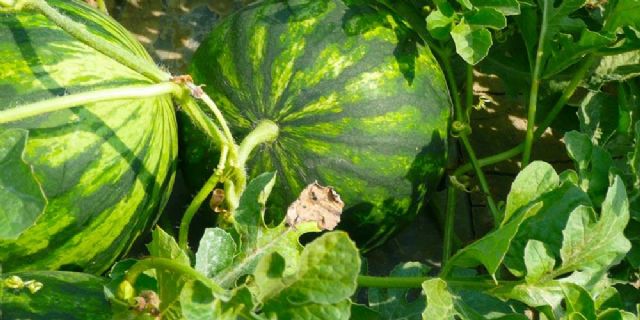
(256, 52)
(106, 168)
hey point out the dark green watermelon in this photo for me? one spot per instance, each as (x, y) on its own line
(63, 296)
(361, 103)
(77, 186)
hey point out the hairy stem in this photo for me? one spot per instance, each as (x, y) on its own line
(77, 30)
(201, 196)
(535, 85)
(416, 282)
(190, 107)
(223, 123)
(265, 131)
(449, 221)
(469, 93)
(80, 99)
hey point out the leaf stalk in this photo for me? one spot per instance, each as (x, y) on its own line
(79, 99)
(77, 30)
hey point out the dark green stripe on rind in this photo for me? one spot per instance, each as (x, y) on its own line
(361, 103)
(106, 168)
(64, 296)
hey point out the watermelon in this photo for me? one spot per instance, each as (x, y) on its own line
(77, 186)
(360, 101)
(63, 296)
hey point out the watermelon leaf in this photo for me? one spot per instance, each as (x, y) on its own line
(445, 302)
(249, 215)
(439, 25)
(578, 301)
(21, 196)
(252, 237)
(439, 300)
(594, 246)
(538, 260)
(506, 7)
(359, 311)
(319, 286)
(490, 250)
(169, 283)
(486, 17)
(392, 303)
(523, 202)
(533, 181)
(199, 303)
(472, 42)
(215, 252)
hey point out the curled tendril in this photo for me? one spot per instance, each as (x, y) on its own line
(459, 128)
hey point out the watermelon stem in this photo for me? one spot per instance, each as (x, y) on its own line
(265, 131)
(201, 120)
(551, 116)
(416, 282)
(80, 99)
(449, 221)
(200, 197)
(464, 136)
(78, 31)
(535, 84)
(223, 123)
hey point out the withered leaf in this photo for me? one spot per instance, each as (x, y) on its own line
(316, 203)
(217, 197)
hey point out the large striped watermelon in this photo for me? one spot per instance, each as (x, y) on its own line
(360, 101)
(77, 186)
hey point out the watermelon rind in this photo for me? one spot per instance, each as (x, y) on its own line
(63, 296)
(104, 170)
(360, 101)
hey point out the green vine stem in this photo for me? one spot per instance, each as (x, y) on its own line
(535, 85)
(175, 267)
(463, 136)
(223, 123)
(484, 185)
(551, 116)
(200, 197)
(449, 221)
(265, 131)
(201, 120)
(79, 99)
(75, 29)
(416, 282)
(469, 93)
